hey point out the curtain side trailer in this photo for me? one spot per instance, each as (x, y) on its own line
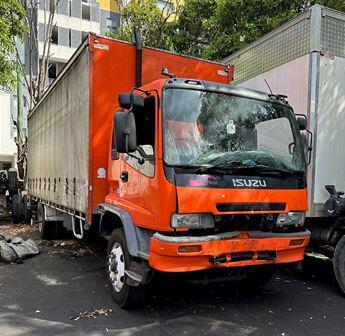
(70, 128)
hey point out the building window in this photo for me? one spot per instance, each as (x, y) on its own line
(69, 7)
(5, 165)
(52, 72)
(111, 24)
(85, 11)
(70, 38)
(55, 35)
(165, 5)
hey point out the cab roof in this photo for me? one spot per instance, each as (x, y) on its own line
(195, 84)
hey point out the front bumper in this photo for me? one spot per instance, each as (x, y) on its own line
(230, 249)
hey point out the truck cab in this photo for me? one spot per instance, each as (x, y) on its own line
(202, 175)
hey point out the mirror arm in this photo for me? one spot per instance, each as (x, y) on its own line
(310, 145)
(144, 155)
(147, 93)
(141, 160)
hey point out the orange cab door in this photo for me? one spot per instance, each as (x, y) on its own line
(137, 180)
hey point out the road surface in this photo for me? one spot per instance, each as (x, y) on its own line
(63, 291)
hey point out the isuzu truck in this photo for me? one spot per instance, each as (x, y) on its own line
(177, 169)
(305, 60)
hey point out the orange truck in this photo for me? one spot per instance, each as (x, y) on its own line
(177, 169)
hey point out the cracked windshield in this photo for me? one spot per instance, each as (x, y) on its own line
(208, 129)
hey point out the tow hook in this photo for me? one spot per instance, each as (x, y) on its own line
(218, 260)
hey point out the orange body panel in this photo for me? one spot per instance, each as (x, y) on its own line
(166, 257)
(193, 199)
(183, 67)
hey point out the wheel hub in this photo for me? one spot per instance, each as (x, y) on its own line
(116, 267)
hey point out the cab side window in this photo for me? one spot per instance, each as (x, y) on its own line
(145, 123)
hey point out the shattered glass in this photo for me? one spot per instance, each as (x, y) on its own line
(209, 128)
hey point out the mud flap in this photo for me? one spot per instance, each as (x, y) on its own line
(139, 273)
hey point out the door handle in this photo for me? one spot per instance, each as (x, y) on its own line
(124, 176)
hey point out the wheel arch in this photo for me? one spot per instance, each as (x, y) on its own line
(137, 239)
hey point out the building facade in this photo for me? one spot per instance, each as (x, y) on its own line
(72, 22)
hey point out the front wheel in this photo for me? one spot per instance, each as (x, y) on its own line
(124, 295)
(339, 263)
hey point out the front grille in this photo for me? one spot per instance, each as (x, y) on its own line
(240, 207)
(226, 223)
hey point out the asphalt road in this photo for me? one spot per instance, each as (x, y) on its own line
(63, 291)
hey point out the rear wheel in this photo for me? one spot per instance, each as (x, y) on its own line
(124, 295)
(26, 210)
(339, 263)
(45, 228)
(17, 214)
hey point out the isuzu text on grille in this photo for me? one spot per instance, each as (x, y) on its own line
(250, 183)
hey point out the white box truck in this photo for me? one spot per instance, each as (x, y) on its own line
(305, 60)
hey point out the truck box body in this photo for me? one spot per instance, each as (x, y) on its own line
(69, 129)
(305, 59)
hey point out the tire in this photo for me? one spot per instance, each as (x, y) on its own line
(259, 276)
(17, 214)
(46, 229)
(27, 214)
(339, 263)
(118, 260)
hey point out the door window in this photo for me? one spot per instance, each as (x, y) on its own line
(145, 124)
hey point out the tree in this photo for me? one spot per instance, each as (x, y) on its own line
(12, 27)
(33, 74)
(193, 28)
(218, 28)
(211, 29)
(334, 4)
(214, 29)
(153, 22)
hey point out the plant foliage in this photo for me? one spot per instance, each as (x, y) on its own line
(12, 27)
(211, 29)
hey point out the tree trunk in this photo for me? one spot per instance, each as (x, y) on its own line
(21, 138)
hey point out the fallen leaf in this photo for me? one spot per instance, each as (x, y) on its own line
(94, 313)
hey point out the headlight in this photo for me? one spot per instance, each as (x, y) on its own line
(192, 221)
(291, 218)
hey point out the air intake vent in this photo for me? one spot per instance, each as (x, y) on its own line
(242, 207)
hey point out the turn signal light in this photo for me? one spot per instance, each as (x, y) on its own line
(296, 242)
(189, 248)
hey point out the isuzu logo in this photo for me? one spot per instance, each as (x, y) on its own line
(249, 183)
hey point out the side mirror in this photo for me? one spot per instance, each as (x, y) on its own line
(125, 132)
(302, 123)
(130, 100)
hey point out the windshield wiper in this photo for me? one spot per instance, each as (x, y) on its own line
(263, 169)
(204, 169)
(237, 167)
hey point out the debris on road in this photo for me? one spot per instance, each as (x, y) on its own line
(66, 248)
(88, 314)
(16, 248)
(18, 229)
